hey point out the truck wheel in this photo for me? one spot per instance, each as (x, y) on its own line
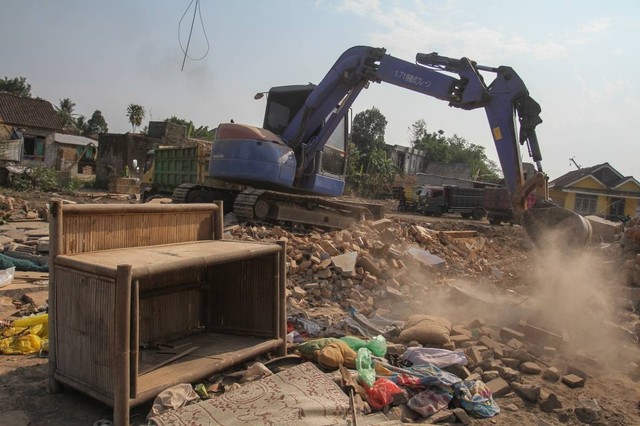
(439, 211)
(495, 221)
(465, 215)
(478, 214)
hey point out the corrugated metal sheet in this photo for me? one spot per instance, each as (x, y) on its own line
(74, 140)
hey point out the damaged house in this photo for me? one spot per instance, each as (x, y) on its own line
(27, 130)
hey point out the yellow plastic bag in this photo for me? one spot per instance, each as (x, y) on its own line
(27, 344)
(26, 336)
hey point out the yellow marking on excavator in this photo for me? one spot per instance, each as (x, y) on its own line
(497, 134)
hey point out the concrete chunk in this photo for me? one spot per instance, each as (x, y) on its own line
(498, 387)
(573, 381)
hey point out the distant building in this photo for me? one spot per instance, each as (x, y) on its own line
(598, 190)
(409, 160)
(76, 154)
(31, 123)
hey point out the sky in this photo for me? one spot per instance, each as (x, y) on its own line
(578, 58)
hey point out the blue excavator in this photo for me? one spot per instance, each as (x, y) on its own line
(293, 165)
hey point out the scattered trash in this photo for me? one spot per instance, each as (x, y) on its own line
(173, 398)
(6, 276)
(25, 336)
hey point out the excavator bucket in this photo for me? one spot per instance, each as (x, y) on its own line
(550, 225)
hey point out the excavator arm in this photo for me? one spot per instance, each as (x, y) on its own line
(511, 112)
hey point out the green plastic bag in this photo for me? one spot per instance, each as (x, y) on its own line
(377, 345)
(354, 342)
(364, 365)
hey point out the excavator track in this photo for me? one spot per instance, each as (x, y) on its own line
(255, 205)
(180, 193)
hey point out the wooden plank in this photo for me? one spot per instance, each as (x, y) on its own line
(167, 361)
(122, 384)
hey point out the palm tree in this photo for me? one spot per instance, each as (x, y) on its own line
(136, 115)
(80, 124)
(65, 112)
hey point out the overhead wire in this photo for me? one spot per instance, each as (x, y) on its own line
(198, 9)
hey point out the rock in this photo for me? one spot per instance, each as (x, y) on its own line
(551, 374)
(511, 407)
(498, 387)
(404, 413)
(381, 224)
(510, 362)
(573, 381)
(462, 416)
(488, 376)
(509, 374)
(521, 355)
(530, 368)
(459, 370)
(476, 323)
(527, 392)
(474, 355)
(345, 263)
(441, 416)
(458, 330)
(588, 411)
(298, 293)
(507, 334)
(550, 403)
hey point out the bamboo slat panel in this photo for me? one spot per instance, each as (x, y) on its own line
(85, 334)
(168, 316)
(112, 231)
(241, 297)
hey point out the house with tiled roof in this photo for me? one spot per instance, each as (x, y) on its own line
(34, 123)
(598, 190)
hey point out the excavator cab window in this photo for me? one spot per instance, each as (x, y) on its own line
(334, 156)
(283, 103)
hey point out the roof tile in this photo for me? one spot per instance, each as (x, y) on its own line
(27, 112)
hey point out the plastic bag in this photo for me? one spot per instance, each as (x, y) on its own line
(381, 393)
(6, 276)
(377, 345)
(26, 336)
(364, 365)
(476, 398)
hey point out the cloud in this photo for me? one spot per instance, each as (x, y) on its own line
(401, 27)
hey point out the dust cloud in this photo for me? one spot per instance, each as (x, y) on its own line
(568, 291)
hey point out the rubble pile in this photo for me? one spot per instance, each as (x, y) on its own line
(376, 264)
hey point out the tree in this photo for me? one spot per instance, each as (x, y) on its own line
(454, 149)
(136, 115)
(202, 132)
(370, 168)
(80, 123)
(96, 124)
(17, 86)
(66, 112)
(367, 130)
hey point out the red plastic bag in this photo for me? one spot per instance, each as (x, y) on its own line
(381, 393)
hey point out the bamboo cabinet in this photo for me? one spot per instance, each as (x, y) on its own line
(143, 297)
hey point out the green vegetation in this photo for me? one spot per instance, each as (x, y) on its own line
(18, 86)
(454, 149)
(136, 114)
(201, 132)
(46, 179)
(371, 171)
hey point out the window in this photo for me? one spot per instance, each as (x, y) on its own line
(616, 208)
(33, 147)
(585, 204)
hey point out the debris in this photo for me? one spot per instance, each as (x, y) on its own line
(573, 381)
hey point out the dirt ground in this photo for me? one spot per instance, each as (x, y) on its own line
(24, 399)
